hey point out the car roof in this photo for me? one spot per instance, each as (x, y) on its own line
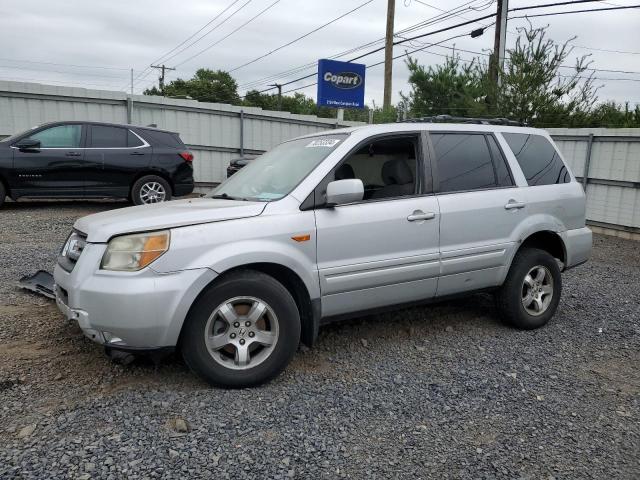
(108, 124)
(433, 127)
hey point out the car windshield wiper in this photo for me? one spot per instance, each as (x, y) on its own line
(225, 196)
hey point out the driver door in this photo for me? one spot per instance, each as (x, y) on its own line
(383, 250)
(54, 169)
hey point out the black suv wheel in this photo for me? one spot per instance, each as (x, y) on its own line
(530, 295)
(242, 332)
(150, 189)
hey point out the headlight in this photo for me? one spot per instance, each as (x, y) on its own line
(134, 252)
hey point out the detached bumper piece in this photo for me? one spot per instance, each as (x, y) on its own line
(40, 282)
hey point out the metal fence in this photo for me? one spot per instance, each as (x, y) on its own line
(607, 161)
(215, 132)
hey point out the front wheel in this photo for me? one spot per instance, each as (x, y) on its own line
(242, 332)
(3, 194)
(530, 295)
(150, 189)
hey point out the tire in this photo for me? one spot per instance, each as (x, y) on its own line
(150, 189)
(531, 293)
(218, 361)
(3, 194)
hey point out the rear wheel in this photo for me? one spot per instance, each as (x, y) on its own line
(243, 331)
(150, 189)
(530, 295)
(3, 194)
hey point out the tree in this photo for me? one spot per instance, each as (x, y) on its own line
(533, 89)
(453, 88)
(205, 86)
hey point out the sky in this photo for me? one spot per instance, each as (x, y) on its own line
(94, 44)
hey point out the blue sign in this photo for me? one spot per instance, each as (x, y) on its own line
(340, 84)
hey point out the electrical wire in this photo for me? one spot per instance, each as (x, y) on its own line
(300, 37)
(454, 12)
(229, 34)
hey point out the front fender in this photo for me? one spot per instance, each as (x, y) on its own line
(222, 246)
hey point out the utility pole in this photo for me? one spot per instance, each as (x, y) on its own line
(162, 69)
(279, 87)
(499, 43)
(388, 54)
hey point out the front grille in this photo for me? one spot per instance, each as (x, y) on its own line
(72, 250)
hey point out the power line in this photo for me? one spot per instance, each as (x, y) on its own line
(167, 55)
(606, 50)
(161, 58)
(84, 74)
(230, 33)
(576, 11)
(300, 37)
(210, 31)
(422, 24)
(64, 64)
(557, 4)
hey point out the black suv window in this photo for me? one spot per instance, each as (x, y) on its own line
(61, 136)
(463, 162)
(538, 160)
(133, 140)
(108, 137)
(163, 139)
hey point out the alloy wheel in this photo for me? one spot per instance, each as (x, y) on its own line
(537, 290)
(152, 192)
(241, 333)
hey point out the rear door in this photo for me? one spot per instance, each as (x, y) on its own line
(57, 168)
(480, 207)
(116, 155)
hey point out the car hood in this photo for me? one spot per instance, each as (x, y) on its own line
(101, 227)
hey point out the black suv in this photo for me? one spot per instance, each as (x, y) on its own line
(95, 160)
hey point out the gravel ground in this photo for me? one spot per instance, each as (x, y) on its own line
(445, 391)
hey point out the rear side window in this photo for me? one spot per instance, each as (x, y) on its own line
(163, 139)
(463, 162)
(108, 137)
(133, 140)
(538, 159)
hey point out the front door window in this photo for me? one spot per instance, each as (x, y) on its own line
(61, 136)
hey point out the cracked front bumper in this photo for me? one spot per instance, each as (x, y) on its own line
(144, 309)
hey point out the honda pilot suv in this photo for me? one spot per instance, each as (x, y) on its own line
(328, 226)
(95, 160)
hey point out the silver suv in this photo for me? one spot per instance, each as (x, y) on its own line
(323, 227)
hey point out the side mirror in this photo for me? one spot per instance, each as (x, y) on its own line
(28, 144)
(344, 191)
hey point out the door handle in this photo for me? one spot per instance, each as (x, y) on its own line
(137, 153)
(514, 205)
(73, 154)
(420, 215)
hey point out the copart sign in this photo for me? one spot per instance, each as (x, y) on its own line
(340, 84)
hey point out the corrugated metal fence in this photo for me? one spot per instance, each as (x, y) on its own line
(215, 132)
(607, 160)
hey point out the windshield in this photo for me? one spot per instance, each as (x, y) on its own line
(276, 173)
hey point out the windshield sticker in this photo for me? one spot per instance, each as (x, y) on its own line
(324, 142)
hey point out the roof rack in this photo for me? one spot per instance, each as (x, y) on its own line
(481, 121)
